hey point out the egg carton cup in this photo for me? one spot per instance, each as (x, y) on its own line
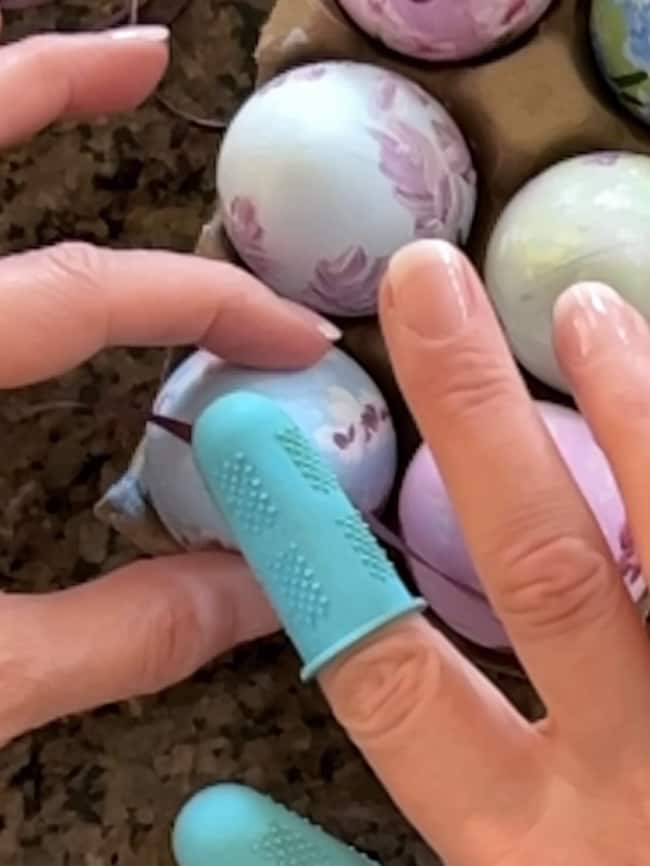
(527, 106)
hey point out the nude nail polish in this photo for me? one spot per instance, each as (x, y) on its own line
(143, 33)
(591, 320)
(431, 290)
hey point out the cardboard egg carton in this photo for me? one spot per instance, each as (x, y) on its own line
(537, 101)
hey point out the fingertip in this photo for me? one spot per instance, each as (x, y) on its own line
(412, 258)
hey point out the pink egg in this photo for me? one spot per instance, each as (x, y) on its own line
(445, 29)
(431, 530)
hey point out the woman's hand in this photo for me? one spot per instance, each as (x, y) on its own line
(483, 786)
(154, 622)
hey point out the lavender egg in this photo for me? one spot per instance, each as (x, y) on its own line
(334, 402)
(431, 530)
(329, 169)
(445, 29)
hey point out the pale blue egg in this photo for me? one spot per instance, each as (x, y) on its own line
(334, 402)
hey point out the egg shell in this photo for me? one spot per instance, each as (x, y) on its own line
(445, 29)
(334, 402)
(430, 528)
(620, 33)
(329, 169)
(584, 219)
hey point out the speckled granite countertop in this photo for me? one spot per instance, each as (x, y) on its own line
(102, 789)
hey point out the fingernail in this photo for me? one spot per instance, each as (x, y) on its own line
(143, 33)
(431, 289)
(324, 327)
(591, 319)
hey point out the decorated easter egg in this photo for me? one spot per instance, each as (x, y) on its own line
(620, 33)
(334, 402)
(445, 29)
(329, 169)
(585, 218)
(431, 529)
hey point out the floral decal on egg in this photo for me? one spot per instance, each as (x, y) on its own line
(436, 30)
(389, 86)
(637, 19)
(625, 60)
(347, 284)
(602, 157)
(310, 72)
(498, 18)
(428, 174)
(360, 423)
(244, 230)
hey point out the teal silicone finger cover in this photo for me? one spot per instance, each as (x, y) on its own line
(230, 825)
(328, 579)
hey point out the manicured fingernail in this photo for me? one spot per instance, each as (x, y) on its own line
(591, 320)
(431, 289)
(324, 327)
(144, 33)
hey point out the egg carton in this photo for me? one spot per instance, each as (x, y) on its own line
(527, 106)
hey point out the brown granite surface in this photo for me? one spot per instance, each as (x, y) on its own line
(102, 789)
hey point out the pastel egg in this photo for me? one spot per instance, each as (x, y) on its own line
(620, 34)
(329, 169)
(334, 402)
(431, 529)
(584, 219)
(445, 29)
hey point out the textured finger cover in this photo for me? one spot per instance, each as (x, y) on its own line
(236, 826)
(328, 579)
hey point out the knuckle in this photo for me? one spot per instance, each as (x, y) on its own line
(75, 261)
(380, 691)
(552, 584)
(173, 645)
(473, 383)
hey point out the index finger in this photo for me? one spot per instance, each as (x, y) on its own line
(536, 543)
(60, 306)
(53, 77)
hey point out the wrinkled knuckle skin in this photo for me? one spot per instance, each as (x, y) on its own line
(75, 261)
(384, 686)
(173, 644)
(550, 585)
(471, 384)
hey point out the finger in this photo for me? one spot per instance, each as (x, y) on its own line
(48, 78)
(456, 759)
(423, 719)
(61, 305)
(536, 544)
(130, 633)
(603, 344)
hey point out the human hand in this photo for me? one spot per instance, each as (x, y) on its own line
(153, 622)
(482, 785)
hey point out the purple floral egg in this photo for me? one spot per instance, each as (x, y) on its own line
(334, 402)
(445, 29)
(432, 532)
(329, 169)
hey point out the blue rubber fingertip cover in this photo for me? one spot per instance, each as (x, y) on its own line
(326, 576)
(231, 825)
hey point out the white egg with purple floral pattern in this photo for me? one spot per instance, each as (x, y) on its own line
(329, 169)
(334, 402)
(445, 29)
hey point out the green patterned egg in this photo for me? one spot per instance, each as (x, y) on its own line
(620, 33)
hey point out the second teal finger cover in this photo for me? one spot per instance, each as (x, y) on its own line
(328, 579)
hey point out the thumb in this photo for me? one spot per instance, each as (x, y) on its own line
(132, 632)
